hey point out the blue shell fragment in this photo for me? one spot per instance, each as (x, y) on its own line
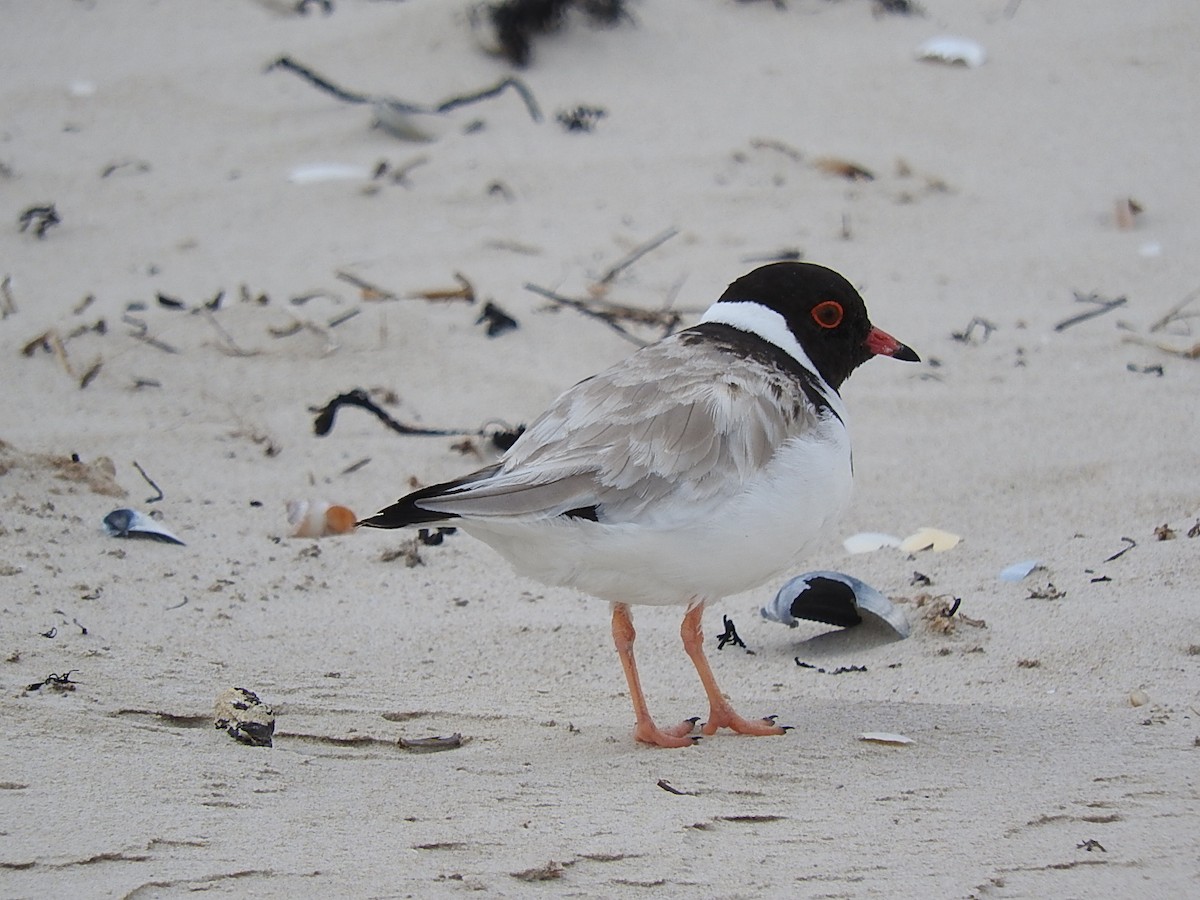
(129, 523)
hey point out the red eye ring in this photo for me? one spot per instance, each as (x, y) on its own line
(828, 314)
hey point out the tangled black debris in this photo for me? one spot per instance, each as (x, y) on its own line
(967, 335)
(517, 22)
(62, 682)
(731, 636)
(498, 321)
(501, 438)
(840, 670)
(431, 537)
(581, 118)
(40, 219)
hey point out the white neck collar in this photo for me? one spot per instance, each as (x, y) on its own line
(751, 316)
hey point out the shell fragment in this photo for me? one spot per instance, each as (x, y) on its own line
(953, 51)
(129, 523)
(1019, 570)
(929, 539)
(835, 599)
(869, 542)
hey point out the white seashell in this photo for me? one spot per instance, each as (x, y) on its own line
(316, 518)
(1018, 570)
(955, 51)
(82, 88)
(314, 172)
(869, 541)
(884, 737)
(835, 599)
(129, 523)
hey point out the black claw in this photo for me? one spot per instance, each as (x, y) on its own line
(788, 727)
(692, 719)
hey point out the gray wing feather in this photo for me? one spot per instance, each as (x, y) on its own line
(630, 438)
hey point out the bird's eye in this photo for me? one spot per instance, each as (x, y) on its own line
(828, 314)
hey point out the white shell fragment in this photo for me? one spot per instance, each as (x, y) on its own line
(1019, 570)
(314, 172)
(929, 539)
(835, 599)
(244, 717)
(951, 50)
(869, 542)
(884, 737)
(129, 523)
(317, 518)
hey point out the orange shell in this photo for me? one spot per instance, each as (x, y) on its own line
(314, 519)
(339, 520)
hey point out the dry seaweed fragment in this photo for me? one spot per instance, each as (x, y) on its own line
(435, 744)
(244, 717)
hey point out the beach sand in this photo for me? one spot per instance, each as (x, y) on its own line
(1054, 721)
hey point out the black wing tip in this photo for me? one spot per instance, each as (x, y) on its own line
(402, 513)
(408, 511)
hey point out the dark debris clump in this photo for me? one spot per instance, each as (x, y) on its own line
(518, 22)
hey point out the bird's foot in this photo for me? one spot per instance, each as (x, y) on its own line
(723, 716)
(676, 736)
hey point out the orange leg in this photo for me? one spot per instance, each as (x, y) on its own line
(720, 713)
(645, 730)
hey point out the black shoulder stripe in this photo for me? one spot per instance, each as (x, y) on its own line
(751, 346)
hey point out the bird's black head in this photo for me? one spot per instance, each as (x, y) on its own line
(823, 312)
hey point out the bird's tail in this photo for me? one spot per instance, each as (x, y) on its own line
(409, 511)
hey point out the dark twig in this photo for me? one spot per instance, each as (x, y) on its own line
(1103, 306)
(582, 307)
(150, 481)
(630, 258)
(1175, 313)
(369, 291)
(403, 107)
(8, 306)
(1130, 543)
(671, 789)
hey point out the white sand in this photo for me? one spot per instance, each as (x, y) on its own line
(1031, 444)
